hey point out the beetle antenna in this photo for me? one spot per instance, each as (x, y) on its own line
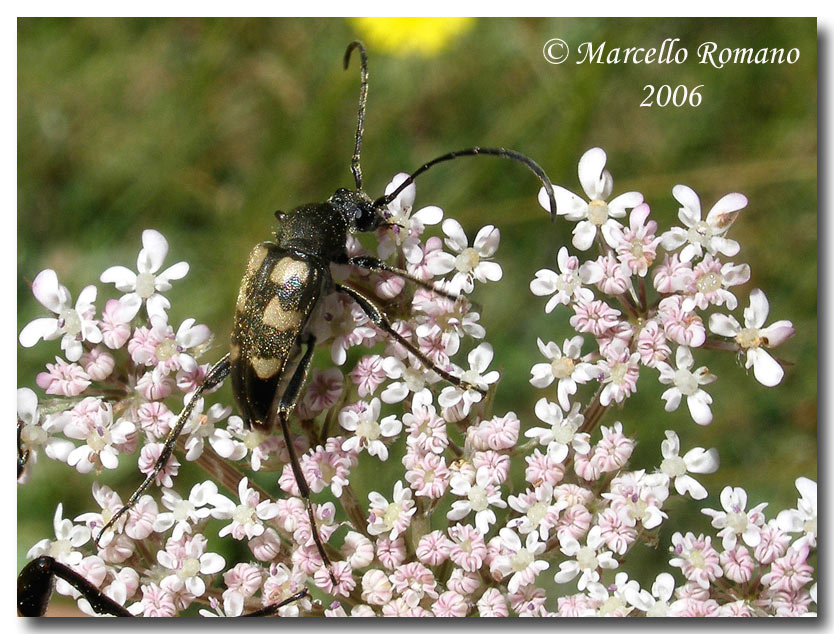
(476, 151)
(355, 167)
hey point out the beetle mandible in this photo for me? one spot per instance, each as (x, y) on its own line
(272, 342)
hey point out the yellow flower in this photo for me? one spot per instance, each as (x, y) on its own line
(411, 36)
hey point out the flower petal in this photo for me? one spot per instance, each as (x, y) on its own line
(724, 325)
(487, 240)
(699, 460)
(766, 369)
(726, 210)
(27, 406)
(698, 404)
(591, 172)
(45, 328)
(430, 215)
(690, 212)
(488, 270)
(756, 314)
(154, 250)
(49, 292)
(480, 357)
(456, 238)
(583, 235)
(174, 272)
(211, 563)
(777, 333)
(405, 199)
(618, 205)
(121, 276)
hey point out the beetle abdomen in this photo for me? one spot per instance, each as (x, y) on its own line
(277, 295)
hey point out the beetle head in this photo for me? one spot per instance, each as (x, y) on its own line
(358, 209)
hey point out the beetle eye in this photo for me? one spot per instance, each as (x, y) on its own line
(366, 219)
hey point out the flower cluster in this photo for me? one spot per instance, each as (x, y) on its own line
(454, 533)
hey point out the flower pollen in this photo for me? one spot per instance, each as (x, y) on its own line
(749, 338)
(145, 285)
(562, 367)
(598, 212)
(478, 498)
(467, 260)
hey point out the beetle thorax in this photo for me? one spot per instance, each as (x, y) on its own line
(317, 229)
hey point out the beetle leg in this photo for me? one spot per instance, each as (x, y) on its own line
(37, 579)
(381, 321)
(214, 377)
(376, 265)
(282, 409)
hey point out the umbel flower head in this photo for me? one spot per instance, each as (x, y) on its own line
(428, 498)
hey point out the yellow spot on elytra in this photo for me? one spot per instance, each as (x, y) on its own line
(256, 258)
(265, 368)
(277, 317)
(241, 296)
(234, 352)
(288, 268)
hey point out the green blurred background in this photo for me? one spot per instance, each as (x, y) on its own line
(202, 128)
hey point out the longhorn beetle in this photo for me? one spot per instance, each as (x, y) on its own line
(272, 342)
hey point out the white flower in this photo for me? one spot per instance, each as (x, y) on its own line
(518, 563)
(173, 352)
(655, 604)
(440, 316)
(247, 517)
(562, 432)
(735, 521)
(712, 281)
(201, 426)
(596, 214)
(753, 338)
(101, 435)
(701, 235)
(368, 429)
(73, 325)
(565, 286)
(404, 229)
(695, 460)
(687, 383)
(393, 517)
(479, 359)
(587, 560)
(408, 379)
(472, 262)
(639, 496)
(148, 285)
(539, 513)
(479, 496)
(619, 374)
(68, 537)
(36, 434)
(187, 567)
(235, 441)
(565, 366)
(611, 600)
(803, 519)
(182, 513)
